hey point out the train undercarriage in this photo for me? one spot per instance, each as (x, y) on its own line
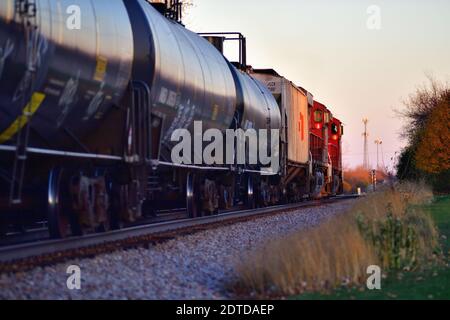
(82, 198)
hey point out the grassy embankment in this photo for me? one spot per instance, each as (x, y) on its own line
(395, 229)
(432, 282)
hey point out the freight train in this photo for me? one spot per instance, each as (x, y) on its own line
(87, 115)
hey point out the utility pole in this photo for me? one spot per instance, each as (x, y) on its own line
(379, 143)
(366, 146)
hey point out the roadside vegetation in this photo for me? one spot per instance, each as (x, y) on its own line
(431, 281)
(390, 228)
(427, 132)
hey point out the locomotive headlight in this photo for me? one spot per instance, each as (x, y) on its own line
(335, 137)
(318, 126)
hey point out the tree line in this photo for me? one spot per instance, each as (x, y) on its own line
(427, 131)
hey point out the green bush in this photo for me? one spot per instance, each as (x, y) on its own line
(399, 240)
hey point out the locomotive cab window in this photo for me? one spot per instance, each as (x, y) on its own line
(334, 128)
(318, 116)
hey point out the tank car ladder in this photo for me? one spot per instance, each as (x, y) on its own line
(25, 11)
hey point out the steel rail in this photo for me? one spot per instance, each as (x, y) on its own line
(40, 248)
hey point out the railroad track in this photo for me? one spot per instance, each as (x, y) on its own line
(24, 256)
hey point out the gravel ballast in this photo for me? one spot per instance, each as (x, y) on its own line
(196, 266)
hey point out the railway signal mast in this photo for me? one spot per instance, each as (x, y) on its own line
(366, 146)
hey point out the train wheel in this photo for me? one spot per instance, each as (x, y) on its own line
(336, 185)
(284, 195)
(102, 200)
(61, 220)
(191, 196)
(250, 201)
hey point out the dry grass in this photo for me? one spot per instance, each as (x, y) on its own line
(339, 250)
(310, 260)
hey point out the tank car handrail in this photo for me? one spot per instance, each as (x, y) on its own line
(186, 166)
(156, 163)
(63, 153)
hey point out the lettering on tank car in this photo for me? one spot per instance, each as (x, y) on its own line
(56, 87)
(56, 82)
(185, 116)
(172, 99)
(68, 98)
(163, 94)
(271, 86)
(5, 53)
(52, 91)
(95, 103)
(274, 87)
(36, 48)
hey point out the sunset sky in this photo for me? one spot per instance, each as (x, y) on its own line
(326, 47)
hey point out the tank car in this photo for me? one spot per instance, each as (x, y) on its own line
(60, 101)
(87, 117)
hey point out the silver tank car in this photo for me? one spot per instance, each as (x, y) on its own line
(79, 73)
(188, 78)
(261, 110)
